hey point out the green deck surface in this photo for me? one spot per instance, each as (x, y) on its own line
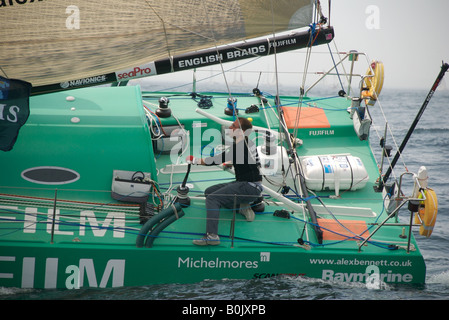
(113, 134)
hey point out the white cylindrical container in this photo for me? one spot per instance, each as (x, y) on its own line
(334, 172)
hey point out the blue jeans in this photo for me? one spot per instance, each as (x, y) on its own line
(225, 195)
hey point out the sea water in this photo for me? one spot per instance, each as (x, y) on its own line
(428, 145)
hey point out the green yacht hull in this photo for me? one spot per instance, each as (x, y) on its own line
(65, 266)
(74, 234)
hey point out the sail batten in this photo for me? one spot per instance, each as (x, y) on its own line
(47, 42)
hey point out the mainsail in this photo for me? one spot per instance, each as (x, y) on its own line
(48, 42)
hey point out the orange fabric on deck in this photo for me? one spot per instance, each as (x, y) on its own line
(355, 226)
(308, 117)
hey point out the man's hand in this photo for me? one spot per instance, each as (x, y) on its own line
(227, 165)
(191, 159)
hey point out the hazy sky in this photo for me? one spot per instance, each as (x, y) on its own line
(411, 38)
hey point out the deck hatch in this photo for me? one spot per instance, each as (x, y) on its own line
(50, 175)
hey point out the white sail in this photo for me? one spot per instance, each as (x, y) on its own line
(46, 42)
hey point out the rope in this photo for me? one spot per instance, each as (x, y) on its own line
(175, 211)
(132, 230)
(335, 66)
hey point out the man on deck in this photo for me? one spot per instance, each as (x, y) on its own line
(248, 185)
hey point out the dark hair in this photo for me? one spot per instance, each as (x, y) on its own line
(245, 124)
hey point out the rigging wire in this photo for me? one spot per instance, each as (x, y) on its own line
(312, 38)
(275, 52)
(165, 32)
(134, 230)
(335, 65)
(216, 47)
